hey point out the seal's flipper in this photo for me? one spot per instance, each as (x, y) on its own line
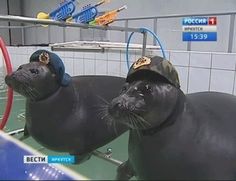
(125, 171)
(26, 132)
(25, 135)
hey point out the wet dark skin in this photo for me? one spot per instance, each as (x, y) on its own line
(176, 136)
(66, 118)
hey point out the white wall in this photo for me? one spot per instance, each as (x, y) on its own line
(198, 71)
(4, 33)
(142, 8)
(14, 9)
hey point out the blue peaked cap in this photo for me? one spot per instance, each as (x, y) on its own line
(55, 63)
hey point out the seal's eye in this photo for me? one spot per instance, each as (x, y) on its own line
(124, 88)
(148, 88)
(139, 90)
(143, 90)
(34, 71)
(20, 67)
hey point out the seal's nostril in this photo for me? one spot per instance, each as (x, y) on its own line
(13, 76)
(8, 80)
(132, 107)
(34, 71)
(20, 67)
(119, 105)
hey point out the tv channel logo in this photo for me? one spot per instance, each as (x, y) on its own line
(189, 21)
(29, 159)
(199, 29)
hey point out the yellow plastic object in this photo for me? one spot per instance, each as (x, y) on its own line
(42, 15)
(70, 19)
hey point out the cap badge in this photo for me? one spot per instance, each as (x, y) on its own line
(44, 58)
(141, 62)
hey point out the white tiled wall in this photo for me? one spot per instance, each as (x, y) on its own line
(202, 60)
(78, 67)
(199, 79)
(222, 81)
(224, 61)
(198, 71)
(183, 77)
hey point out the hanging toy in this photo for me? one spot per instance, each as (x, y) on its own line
(107, 18)
(88, 13)
(63, 12)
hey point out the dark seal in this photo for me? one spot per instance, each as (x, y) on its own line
(65, 113)
(172, 135)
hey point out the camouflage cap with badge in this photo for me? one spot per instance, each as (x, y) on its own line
(156, 65)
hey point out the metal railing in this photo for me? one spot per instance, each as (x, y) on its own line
(10, 18)
(125, 29)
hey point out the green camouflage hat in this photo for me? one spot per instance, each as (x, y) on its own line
(156, 65)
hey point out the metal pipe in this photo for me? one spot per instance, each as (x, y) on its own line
(62, 23)
(105, 157)
(98, 44)
(189, 46)
(22, 36)
(231, 33)
(154, 30)
(85, 46)
(19, 27)
(64, 34)
(126, 33)
(176, 16)
(81, 49)
(49, 34)
(144, 43)
(16, 131)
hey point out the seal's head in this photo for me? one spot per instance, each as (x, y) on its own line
(149, 96)
(40, 78)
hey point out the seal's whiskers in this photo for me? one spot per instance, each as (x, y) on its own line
(26, 76)
(136, 119)
(102, 110)
(29, 91)
(30, 94)
(114, 125)
(35, 91)
(134, 124)
(103, 114)
(141, 119)
(101, 98)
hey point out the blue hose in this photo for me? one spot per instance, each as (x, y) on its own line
(127, 49)
(142, 30)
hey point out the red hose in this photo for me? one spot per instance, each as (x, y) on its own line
(9, 91)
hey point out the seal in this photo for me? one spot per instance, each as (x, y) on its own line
(65, 113)
(173, 135)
